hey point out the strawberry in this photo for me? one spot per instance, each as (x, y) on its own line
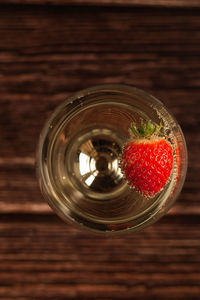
(147, 159)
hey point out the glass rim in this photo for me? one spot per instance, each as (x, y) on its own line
(105, 88)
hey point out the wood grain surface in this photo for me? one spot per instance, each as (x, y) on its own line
(46, 54)
(165, 3)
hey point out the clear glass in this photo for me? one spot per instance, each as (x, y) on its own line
(78, 159)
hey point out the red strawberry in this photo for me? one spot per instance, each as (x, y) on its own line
(147, 159)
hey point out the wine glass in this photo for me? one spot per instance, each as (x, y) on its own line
(78, 159)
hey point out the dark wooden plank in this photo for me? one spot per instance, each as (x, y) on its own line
(46, 54)
(45, 258)
(166, 3)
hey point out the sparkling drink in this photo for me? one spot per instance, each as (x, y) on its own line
(78, 159)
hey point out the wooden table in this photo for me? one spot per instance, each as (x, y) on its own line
(49, 50)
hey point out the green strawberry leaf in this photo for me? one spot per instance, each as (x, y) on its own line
(141, 130)
(145, 130)
(134, 129)
(149, 129)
